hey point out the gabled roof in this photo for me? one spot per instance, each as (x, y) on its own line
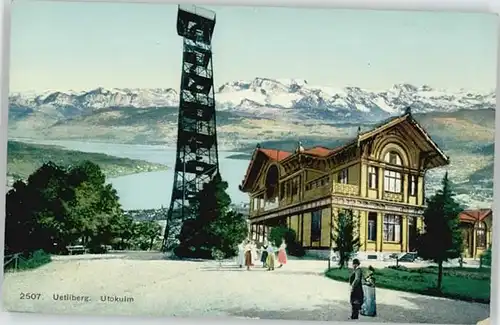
(475, 215)
(274, 154)
(323, 152)
(268, 154)
(318, 151)
(391, 122)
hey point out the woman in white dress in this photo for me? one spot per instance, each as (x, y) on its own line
(255, 255)
(241, 254)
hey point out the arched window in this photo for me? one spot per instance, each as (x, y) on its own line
(393, 158)
(481, 235)
(272, 180)
(392, 179)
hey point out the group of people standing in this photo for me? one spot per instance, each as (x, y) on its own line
(249, 254)
(362, 295)
(362, 288)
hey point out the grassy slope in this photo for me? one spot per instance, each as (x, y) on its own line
(23, 159)
(467, 284)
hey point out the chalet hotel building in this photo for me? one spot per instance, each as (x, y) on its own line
(379, 175)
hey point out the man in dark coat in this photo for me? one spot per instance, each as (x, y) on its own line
(356, 282)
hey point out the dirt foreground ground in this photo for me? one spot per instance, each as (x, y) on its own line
(149, 285)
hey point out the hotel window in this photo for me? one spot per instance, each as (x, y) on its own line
(413, 185)
(343, 176)
(392, 228)
(481, 235)
(372, 177)
(392, 181)
(372, 226)
(295, 187)
(254, 204)
(393, 158)
(316, 226)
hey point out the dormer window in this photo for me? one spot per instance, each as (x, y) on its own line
(393, 158)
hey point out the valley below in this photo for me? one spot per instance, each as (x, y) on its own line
(24, 158)
(461, 124)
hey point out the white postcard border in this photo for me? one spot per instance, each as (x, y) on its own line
(492, 6)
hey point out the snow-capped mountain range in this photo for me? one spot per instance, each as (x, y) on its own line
(263, 96)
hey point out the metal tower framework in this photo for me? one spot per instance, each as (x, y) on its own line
(197, 158)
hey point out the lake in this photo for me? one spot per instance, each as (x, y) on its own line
(153, 189)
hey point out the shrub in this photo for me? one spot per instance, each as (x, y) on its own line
(30, 261)
(218, 255)
(398, 267)
(293, 247)
(36, 259)
(486, 257)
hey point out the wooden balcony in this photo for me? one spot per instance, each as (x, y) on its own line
(317, 192)
(309, 195)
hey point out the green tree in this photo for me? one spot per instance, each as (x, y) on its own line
(343, 234)
(59, 206)
(37, 210)
(441, 239)
(216, 226)
(124, 227)
(96, 206)
(227, 231)
(147, 233)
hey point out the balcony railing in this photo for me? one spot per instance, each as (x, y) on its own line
(269, 205)
(317, 192)
(394, 197)
(345, 189)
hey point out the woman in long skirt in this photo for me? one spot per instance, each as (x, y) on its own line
(241, 254)
(248, 255)
(369, 307)
(254, 252)
(270, 257)
(282, 254)
(263, 255)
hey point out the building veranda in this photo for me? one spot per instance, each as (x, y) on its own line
(379, 175)
(476, 228)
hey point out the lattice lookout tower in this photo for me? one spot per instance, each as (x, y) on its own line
(197, 155)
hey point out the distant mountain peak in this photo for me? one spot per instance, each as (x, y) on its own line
(263, 95)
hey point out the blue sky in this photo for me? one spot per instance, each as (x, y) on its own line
(58, 45)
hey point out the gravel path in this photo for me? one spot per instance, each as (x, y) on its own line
(201, 289)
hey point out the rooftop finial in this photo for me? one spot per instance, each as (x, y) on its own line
(257, 146)
(300, 148)
(408, 110)
(359, 130)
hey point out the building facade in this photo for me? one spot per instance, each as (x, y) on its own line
(379, 175)
(477, 230)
